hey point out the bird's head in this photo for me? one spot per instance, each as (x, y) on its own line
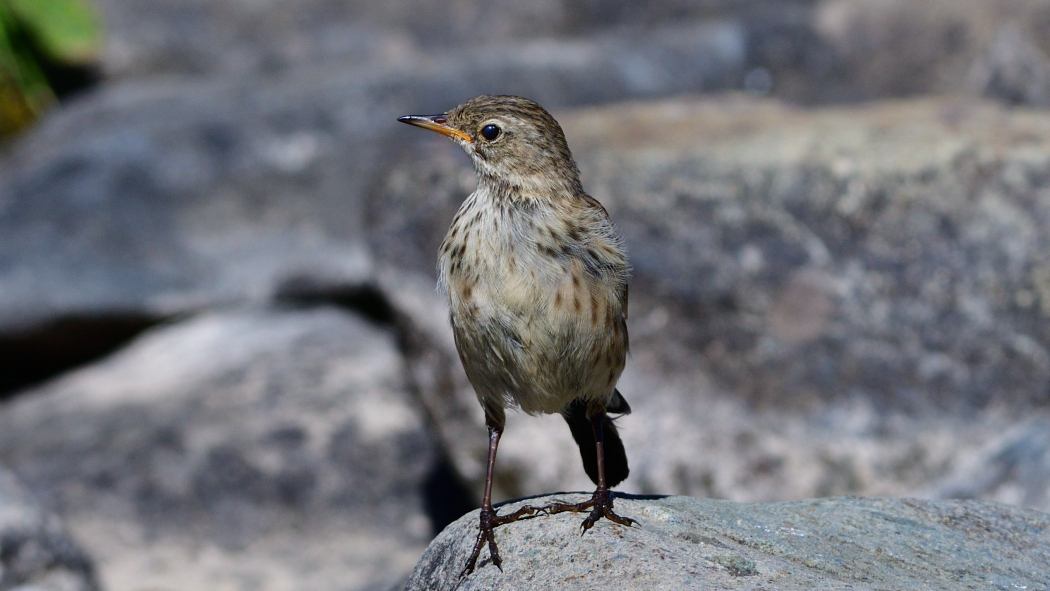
(516, 146)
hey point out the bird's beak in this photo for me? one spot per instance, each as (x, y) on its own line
(436, 123)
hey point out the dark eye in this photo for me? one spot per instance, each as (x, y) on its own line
(490, 132)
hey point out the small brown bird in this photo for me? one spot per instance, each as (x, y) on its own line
(536, 278)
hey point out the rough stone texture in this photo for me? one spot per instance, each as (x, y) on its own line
(824, 301)
(166, 199)
(1012, 467)
(885, 48)
(894, 252)
(273, 450)
(36, 552)
(688, 543)
(809, 50)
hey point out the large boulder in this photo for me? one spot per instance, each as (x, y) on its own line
(688, 543)
(277, 447)
(894, 252)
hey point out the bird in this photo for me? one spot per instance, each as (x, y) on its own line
(536, 278)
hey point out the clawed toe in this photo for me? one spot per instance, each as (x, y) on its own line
(604, 510)
(600, 504)
(489, 521)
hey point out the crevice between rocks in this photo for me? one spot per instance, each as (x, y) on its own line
(364, 299)
(36, 355)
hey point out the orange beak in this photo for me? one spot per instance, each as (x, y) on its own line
(435, 123)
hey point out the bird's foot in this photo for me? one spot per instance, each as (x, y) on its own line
(600, 504)
(489, 522)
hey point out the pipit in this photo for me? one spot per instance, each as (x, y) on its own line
(536, 278)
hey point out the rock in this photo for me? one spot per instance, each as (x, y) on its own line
(892, 252)
(36, 551)
(886, 49)
(689, 543)
(227, 37)
(278, 449)
(142, 202)
(1012, 467)
(804, 50)
(845, 301)
(441, 385)
(1013, 70)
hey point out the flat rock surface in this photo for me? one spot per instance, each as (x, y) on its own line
(690, 543)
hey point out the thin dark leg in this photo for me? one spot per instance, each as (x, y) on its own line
(601, 502)
(489, 519)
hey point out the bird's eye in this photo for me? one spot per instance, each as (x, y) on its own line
(490, 132)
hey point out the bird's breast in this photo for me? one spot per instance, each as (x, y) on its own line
(523, 264)
(489, 268)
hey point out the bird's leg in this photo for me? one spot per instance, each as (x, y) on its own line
(601, 502)
(489, 519)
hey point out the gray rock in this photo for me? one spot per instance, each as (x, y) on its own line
(169, 199)
(226, 37)
(881, 49)
(892, 252)
(804, 50)
(36, 551)
(1012, 467)
(1014, 69)
(201, 454)
(689, 543)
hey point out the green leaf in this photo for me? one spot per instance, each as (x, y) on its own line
(24, 90)
(68, 31)
(8, 65)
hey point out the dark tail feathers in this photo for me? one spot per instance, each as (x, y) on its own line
(616, 469)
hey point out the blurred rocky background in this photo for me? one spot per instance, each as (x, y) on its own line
(223, 363)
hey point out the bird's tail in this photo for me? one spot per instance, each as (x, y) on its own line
(616, 469)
